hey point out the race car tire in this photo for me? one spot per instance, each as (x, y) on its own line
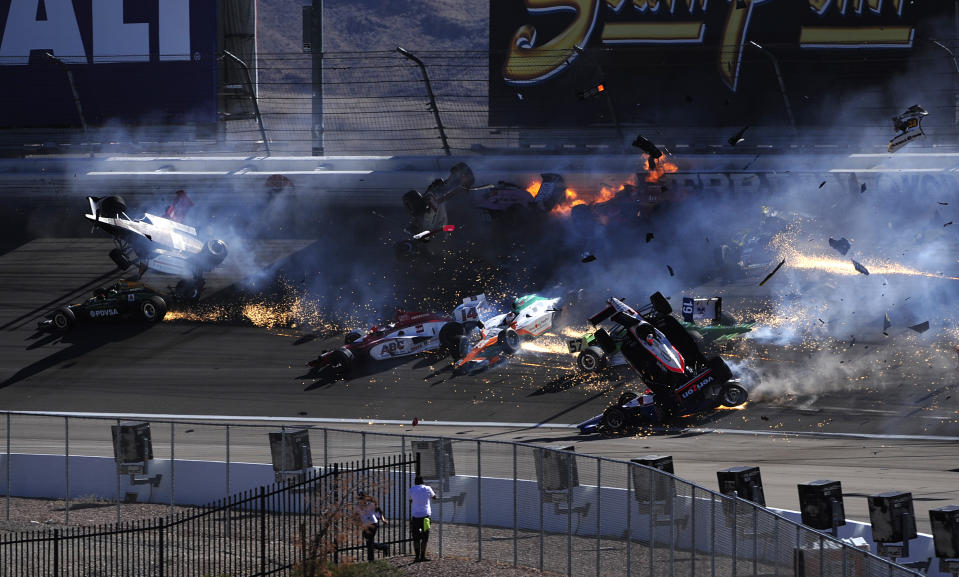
(448, 334)
(214, 252)
(119, 259)
(660, 303)
(614, 420)
(351, 337)
(461, 347)
(605, 342)
(721, 370)
(186, 290)
(63, 319)
(153, 310)
(509, 341)
(112, 206)
(734, 395)
(680, 338)
(626, 397)
(404, 250)
(414, 203)
(341, 362)
(592, 360)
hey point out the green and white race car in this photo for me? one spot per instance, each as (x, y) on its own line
(702, 318)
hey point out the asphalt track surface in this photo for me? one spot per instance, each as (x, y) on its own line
(230, 366)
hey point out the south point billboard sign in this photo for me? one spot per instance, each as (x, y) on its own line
(656, 56)
(150, 61)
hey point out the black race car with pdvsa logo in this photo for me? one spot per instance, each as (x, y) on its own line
(124, 300)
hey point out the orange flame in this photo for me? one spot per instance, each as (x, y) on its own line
(533, 188)
(659, 169)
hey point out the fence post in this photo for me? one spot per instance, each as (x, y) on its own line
(9, 416)
(515, 507)
(692, 491)
(542, 532)
(755, 539)
(599, 513)
(172, 466)
(569, 517)
(262, 530)
(712, 534)
(160, 558)
(735, 499)
(652, 526)
(66, 469)
(56, 552)
(479, 498)
(429, 92)
(629, 520)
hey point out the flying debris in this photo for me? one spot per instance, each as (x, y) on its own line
(671, 273)
(592, 91)
(886, 323)
(944, 203)
(921, 327)
(859, 267)
(822, 184)
(649, 236)
(862, 188)
(775, 270)
(909, 127)
(647, 147)
(588, 257)
(738, 137)
(842, 245)
(948, 223)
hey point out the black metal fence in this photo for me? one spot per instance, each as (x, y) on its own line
(289, 527)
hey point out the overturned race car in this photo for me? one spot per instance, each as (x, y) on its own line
(680, 378)
(124, 300)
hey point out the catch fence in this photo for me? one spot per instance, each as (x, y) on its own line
(513, 503)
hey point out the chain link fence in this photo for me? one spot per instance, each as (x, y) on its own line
(510, 503)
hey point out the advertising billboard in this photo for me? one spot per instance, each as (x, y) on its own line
(709, 62)
(151, 61)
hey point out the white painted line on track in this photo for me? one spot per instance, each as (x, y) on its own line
(502, 425)
(222, 172)
(943, 169)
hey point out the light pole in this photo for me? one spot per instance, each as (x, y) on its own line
(779, 79)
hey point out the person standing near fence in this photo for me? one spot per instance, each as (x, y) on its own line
(371, 517)
(420, 495)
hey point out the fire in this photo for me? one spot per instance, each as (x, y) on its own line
(660, 168)
(736, 408)
(533, 188)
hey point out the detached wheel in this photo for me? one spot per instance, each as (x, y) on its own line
(119, 259)
(592, 360)
(509, 341)
(449, 332)
(614, 419)
(187, 290)
(660, 303)
(214, 251)
(461, 347)
(734, 395)
(152, 310)
(341, 362)
(63, 319)
(351, 337)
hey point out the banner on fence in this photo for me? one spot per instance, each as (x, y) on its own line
(152, 61)
(700, 62)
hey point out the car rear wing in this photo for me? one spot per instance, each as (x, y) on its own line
(710, 309)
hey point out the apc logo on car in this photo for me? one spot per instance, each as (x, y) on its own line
(104, 313)
(395, 347)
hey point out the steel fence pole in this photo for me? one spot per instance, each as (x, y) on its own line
(755, 540)
(479, 498)
(66, 469)
(326, 450)
(117, 471)
(9, 417)
(652, 526)
(363, 443)
(629, 523)
(776, 537)
(599, 503)
(569, 516)
(172, 466)
(712, 534)
(429, 93)
(542, 531)
(515, 507)
(692, 492)
(160, 552)
(822, 554)
(735, 531)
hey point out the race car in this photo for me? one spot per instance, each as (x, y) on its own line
(488, 338)
(124, 300)
(411, 333)
(161, 243)
(664, 355)
(702, 317)
(506, 200)
(427, 213)
(908, 126)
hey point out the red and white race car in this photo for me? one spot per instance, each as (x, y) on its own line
(409, 334)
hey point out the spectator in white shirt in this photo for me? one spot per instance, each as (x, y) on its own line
(420, 495)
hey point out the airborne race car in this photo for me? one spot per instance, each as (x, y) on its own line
(681, 379)
(124, 300)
